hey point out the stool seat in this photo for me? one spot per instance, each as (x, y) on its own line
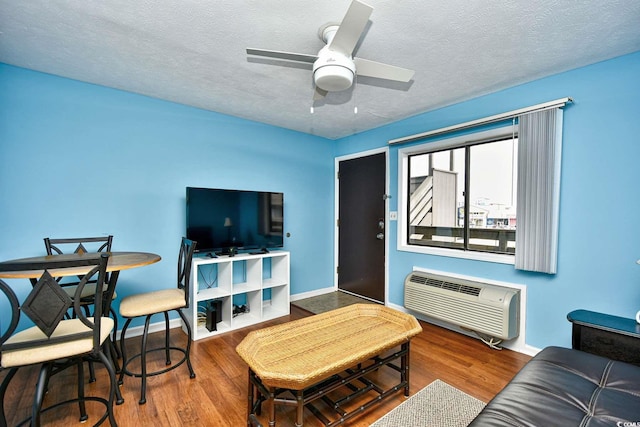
(47, 351)
(152, 302)
(87, 292)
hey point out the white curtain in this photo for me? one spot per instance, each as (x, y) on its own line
(539, 158)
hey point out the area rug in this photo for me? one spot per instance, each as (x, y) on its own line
(329, 301)
(436, 405)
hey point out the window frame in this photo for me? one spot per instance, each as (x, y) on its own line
(467, 139)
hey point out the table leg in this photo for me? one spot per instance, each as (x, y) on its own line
(299, 408)
(250, 398)
(404, 367)
(271, 403)
(106, 309)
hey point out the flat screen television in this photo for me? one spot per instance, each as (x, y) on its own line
(220, 219)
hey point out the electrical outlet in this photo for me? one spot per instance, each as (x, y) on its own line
(393, 216)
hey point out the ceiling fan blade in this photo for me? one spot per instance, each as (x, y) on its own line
(319, 94)
(301, 57)
(367, 68)
(351, 28)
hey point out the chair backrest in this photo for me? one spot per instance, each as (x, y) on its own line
(78, 245)
(187, 248)
(47, 304)
(14, 305)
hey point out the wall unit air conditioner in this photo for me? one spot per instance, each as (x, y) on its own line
(481, 307)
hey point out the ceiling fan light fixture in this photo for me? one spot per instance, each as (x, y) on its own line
(333, 78)
(333, 72)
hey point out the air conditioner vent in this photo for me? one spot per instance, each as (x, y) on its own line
(469, 290)
(437, 283)
(482, 307)
(415, 278)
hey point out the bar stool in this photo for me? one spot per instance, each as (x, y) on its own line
(82, 245)
(157, 302)
(56, 342)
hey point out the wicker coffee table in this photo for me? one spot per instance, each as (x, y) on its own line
(299, 362)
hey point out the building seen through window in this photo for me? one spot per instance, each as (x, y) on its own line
(464, 197)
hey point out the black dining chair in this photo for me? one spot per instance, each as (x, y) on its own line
(55, 341)
(159, 302)
(81, 245)
(78, 245)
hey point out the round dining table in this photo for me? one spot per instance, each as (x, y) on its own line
(118, 261)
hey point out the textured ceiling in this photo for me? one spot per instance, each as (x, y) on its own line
(193, 51)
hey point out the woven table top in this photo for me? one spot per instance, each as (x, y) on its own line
(298, 354)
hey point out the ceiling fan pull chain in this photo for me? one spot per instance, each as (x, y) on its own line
(355, 94)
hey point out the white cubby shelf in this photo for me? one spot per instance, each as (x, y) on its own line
(258, 281)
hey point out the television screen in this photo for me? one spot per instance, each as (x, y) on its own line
(220, 219)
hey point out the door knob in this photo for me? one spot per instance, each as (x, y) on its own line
(380, 236)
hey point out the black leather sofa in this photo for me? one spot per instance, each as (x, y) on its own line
(563, 387)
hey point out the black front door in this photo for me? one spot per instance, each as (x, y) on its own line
(361, 229)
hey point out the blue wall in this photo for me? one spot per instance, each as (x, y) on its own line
(79, 160)
(60, 140)
(599, 239)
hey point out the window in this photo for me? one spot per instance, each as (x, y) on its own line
(459, 196)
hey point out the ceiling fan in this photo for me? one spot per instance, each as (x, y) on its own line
(334, 67)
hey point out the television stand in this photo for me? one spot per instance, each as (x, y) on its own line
(259, 282)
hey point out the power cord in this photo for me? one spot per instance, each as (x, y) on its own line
(202, 318)
(240, 309)
(210, 281)
(492, 342)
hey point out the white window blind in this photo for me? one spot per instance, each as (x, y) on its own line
(539, 160)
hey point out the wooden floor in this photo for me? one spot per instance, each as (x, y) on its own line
(218, 394)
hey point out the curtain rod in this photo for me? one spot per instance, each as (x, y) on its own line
(486, 120)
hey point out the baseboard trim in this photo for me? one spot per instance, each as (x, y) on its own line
(137, 331)
(310, 294)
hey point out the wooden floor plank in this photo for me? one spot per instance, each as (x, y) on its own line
(218, 394)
